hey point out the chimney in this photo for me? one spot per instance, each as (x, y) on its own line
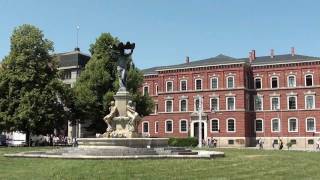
(250, 57)
(187, 59)
(77, 49)
(292, 51)
(272, 53)
(253, 54)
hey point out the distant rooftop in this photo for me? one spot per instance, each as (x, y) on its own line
(73, 58)
(223, 59)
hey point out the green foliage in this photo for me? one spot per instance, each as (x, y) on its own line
(183, 142)
(32, 97)
(98, 83)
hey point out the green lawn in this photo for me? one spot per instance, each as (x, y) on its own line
(238, 164)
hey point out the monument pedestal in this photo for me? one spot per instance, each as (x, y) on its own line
(121, 101)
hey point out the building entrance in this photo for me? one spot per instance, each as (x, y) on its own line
(196, 130)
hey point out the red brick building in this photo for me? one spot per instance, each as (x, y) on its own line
(271, 97)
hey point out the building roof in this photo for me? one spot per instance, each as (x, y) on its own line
(223, 59)
(73, 58)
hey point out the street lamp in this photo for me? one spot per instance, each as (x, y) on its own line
(200, 122)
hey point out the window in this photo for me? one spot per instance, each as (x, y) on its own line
(275, 125)
(275, 103)
(259, 125)
(169, 86)
(230, 82)
(230, 141)
(291, 81)
(183, 126)
(157, 89)
(309, 102)
(198, 84)
(214, 125)
(67, 74)
(156, 127)
(145, 127)
(183, 105)
(293, 125)
(169, 106)
(310, 125)
(258, 103)
(258, 84)
(169, 124)
(214, 83)
(156, 107)
(197, 105)
(274, 82)
(309, 80)
(183, 85)
(310, 141)
(214, 104)
(292, 102)
(145, 90)
(231, 125)
(230, 103)
(293, 141)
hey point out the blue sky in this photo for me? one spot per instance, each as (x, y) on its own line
(166, 31)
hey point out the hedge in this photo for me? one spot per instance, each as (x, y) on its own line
(183, 142)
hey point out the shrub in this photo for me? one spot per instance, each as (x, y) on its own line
(183, 142)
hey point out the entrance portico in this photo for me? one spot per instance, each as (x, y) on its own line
(194, 125)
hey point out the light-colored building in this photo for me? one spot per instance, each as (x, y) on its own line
(71, 64)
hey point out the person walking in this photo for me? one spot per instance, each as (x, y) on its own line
(281, 144)
(260, 143)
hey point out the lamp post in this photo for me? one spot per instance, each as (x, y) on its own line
(200, 122)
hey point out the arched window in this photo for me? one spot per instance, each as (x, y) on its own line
(230, 82)
(275, 125)
(183, 105)
(214, 125)
(214, 83)
(309, 80)
(145, 127)
(292, 125)
(169, 105)
(291, 81)
(169, 126)
(310, 124)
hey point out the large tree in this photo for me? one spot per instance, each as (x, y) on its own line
(32, 98)
(98, 83)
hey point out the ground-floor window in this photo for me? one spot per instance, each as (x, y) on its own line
(293, 125)
(169, 126)
(310, 122)
(259, 125)
(183, 126)
(214, 125)
(145, 127)
(275, 125)
(156, 127)
(231, 125)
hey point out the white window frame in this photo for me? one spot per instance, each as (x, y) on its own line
(315, 125)
(295, 81)
(143, 127)
(305, 80)
(234, 120)
(234, 103)
(218, 104)
(279, 122)
(166, 126)
(314, 101)
(195, 105)
(255, 125)
(254, 102)
(297, 122)
(156, 89)
(144, 90)
(255, 82)
(186, 126)
(167, 86)
(279, 104)
(184, 80)
(233, 84)
(155, 127)
(211, 82)
(165, 105)
(271, 82)
(195, 84)
(186, 105)
(296, 99)
(214, 119)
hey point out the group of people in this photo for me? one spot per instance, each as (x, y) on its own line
(280, 142)
(210, 142)
(52, 140)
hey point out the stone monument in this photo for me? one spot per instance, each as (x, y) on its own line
(122, 120)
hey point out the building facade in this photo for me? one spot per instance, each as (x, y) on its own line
(269, 97)
(71, 64)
